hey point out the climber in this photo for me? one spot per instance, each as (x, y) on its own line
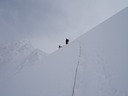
(67, 40)
(60, 46)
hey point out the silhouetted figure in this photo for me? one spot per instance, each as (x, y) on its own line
(67, 40)
(60, 46)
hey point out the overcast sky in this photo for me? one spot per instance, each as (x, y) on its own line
(46, 23)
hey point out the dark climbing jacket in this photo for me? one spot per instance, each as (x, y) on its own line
(67, 40)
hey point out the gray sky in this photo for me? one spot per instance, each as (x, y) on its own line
(46, 23)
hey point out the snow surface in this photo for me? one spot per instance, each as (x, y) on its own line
(98, 60)
(14, 55)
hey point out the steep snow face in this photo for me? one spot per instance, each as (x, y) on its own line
(52, 77)
(93, 65)
(104, 59)
(14, 55)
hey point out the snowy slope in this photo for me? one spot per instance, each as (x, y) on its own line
(14, 55)
(102, 59)
(52, 77)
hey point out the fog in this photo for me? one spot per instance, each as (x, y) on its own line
(46, 23)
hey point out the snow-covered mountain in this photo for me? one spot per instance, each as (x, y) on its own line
(95, 64)
(104, 59)
(15, 55)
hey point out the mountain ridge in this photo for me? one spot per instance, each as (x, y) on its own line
(99, 56)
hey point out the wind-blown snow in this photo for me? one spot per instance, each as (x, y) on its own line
(14, 55)
(100, 58)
